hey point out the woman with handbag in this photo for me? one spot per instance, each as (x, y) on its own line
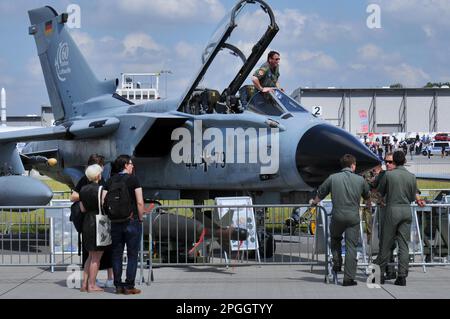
(106, 260)
(94, 228)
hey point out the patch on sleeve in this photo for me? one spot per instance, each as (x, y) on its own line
(261, 72)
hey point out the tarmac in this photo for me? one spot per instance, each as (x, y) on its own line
(237, 282)
(432, 167)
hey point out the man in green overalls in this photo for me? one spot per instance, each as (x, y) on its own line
(266, 77)
(346, 189)
(388, 160)
(400, 189)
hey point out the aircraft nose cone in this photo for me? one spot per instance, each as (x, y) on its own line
(320, 149)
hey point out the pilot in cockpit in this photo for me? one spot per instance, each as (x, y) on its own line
(266, 77)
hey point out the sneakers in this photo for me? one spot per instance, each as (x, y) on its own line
(401, 281)
(107, 284)
(350, 282)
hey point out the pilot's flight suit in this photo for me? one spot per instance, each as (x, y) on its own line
(400, 188)
(346, 190)
(266, 76)
(381, 202)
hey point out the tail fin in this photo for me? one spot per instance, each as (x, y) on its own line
(70, 82)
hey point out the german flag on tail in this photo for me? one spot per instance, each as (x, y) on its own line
(48, 28)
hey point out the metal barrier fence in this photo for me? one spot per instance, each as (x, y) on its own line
(37, 236)
(61, 195)
(430, 229)
(213, 235)
(210, 234)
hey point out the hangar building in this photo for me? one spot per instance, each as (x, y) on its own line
(380, 110)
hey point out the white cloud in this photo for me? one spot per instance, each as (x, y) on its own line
(139, 41)
(109, 56)
(84, 41)
(358, 66)
(318, 60)
(211, 10)
(429, 31)
(370, 52)
(34, 68)
(247, 46)
(374, 62)
(136, 67)
(186, 50)
(407, 75)
(435, 12)
(376, 55)
(291, 22)
(325, 31)
(427, 5)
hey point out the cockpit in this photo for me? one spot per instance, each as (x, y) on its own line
(202, 97)
(274, 104)
(217, 94)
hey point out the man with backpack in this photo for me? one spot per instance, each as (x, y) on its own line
(124, 204)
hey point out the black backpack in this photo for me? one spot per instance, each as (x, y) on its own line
(117, 201)
(76, 216)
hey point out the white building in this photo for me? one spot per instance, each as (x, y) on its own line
(381, 110)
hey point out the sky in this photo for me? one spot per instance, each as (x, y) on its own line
(323, 43)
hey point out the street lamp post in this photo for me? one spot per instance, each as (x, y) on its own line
(165, 72)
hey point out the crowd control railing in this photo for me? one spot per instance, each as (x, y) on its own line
(213, 235)
(236, 235)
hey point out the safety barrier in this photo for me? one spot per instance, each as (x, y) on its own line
(37, 236)
(175, 232)
(44, 236)
(214, 236)
(430, 229)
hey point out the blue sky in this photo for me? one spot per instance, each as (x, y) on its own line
(322, 43)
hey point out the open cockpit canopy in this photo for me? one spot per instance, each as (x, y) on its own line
(239, 33)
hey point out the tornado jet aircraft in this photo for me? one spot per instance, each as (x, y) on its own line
(212, 141)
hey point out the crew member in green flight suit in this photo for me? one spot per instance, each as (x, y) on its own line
(266, 77)
(346, 189)
(400, 188)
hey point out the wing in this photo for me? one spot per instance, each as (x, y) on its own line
(39, 134)
(89, 128)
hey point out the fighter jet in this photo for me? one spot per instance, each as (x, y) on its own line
(211, 142)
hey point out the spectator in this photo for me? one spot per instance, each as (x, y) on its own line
(106, 259)
(127, 232)
(89, 197)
